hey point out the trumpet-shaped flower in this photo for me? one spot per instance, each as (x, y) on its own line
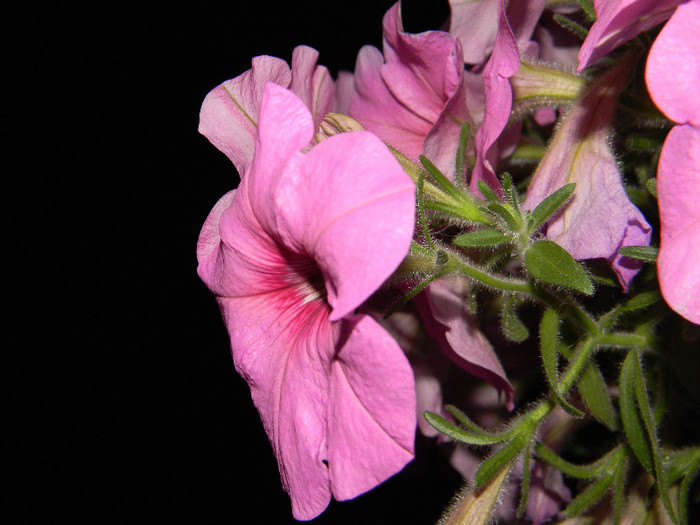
(600, 219)
(229, 113)
(618, 21)
(672, 73)
(291, 254)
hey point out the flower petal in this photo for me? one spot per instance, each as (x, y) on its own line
(673, 68)
(350, 206)
(678, 187)
(372, 418)
(618, 21)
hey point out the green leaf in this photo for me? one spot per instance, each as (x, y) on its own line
(640, 253)
(437, 175)
(632, 424)
(651, 187)
(640, 390)
(500, 459)
(513, 328)
(549, 262)
(640, 301)
(525, 483)
(412, 293)
(592, 470)
(461, 150)
(551, 204)
(572, 27)
(594, 393)
(420, 203)
(590, 496)
(472, 427)
(487, 192)
(443, 426)
(504, 213)
(549, 346)
(510, 192)
(587, 9)
(481, 238)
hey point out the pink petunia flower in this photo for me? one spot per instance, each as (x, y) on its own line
(599, 219)
(402, 94)
(618, 21)
(229, 113)
(291, 254)
(672, 76)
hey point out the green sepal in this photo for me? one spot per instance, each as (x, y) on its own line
(500, 459)
(511, 325)
(481, 238)
(499, 210)
(548, 206)
(549, 347)
(443, 426)
(487, 192)
(438, 177)
(594, 392)
(510, 192)
(461, 151)
(549, 262)
(641, 253)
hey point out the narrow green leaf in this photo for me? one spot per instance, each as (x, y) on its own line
(551, 204)
(640, 390)
(640, 253)
(481, 238)
(651, 187)
(619, 490)
(420, 203)
(587, 9)
(549, 347)
(504, 213)
(549, 262)
(513, 328)
(525, 483)
(495, 463)
(440, 424)
(632, 424)
(487, 192)
(510, 192)
(591, 470)
(589, 497)
(572, 27)
(640, 301)
(461, 150)
(595, 395)
(438, 176)
(472, 427)
(411, 294)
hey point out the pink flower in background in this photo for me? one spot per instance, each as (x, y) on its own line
(599, 219)
(229, 114)
(672, 75)
(402, 94)
(291, 254)
(618, 21)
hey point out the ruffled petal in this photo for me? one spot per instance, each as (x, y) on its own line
(372, 409)
(350, 206)
(678, 186)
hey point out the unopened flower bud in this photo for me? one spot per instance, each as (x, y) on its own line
(334, 123)
(536, 84)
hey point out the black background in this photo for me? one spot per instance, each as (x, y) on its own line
(121, 401)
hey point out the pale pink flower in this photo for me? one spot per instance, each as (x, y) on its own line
(673, 76)
(229, 113)
(291, 254)
(599, 219)
(618, 21)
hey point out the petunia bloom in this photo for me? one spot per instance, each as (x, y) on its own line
(673, 71)
(600, 219)
(229, 114)
(291, 254)
(618, 21)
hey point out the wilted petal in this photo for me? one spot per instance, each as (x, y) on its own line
(502, 65)
(229, 113)
(618, 21)
(448, 320)
(599, 219)
(678, 187)
(372, 398)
